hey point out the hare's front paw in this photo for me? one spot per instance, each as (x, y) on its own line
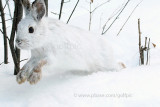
(34, 77)
(21, 77)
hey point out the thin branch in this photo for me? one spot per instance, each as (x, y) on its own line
(61, 8)
(139, 32)
(100, 6)
(6, 36)
(141, 48)
(92, 11)
(149, 52)
(9, 9)
(46, 3)
(116, 17)
(5, 4)
(67, 1)
(7, 20)
(113, 14)
(73, 11)
(4, 33)
(148, 58)
(90, 15)
(145, 46)
(129, 17)
(1, 63)
(54, 13)
(1, 31)
(23, 60)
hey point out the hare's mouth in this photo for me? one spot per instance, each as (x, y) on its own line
(21, 44)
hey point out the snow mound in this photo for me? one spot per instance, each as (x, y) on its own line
(130, 87)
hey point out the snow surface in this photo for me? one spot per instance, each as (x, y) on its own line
(132, 87)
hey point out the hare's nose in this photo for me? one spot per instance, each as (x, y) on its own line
(19, 41)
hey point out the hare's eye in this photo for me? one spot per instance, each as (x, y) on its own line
(31, 30)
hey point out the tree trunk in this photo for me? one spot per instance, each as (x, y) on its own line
(4, 33)
(18, 12)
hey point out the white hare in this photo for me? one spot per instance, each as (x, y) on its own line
(63, 46)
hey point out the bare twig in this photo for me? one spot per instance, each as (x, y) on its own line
(113, 14)
(100, 6)
(67, 1)
(92, 11)
(1, 63)
(1, 31)
(139, 32)
(54, 13)
(116, 17)
(6, 20)
(46, 3)
(73, 11)
(149, 57)
(90, 15)
(140, 48)
(9, 9)
(5, 4)
(145, 42)
(129, 17)
(23, 60)
(6, 37)
(144, 48)
(61, 8)
(148, 52)
(4, 33)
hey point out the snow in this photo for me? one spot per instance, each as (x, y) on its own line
(135, 86)
(131, 87)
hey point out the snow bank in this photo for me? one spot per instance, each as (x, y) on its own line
(131, 87)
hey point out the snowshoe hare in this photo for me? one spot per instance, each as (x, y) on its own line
(53, 42)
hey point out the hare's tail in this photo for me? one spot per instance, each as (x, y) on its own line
(121, 65)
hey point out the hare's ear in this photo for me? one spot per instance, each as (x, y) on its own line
(38, 9)
(26, 6)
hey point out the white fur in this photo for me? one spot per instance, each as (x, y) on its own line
(65, 43)
(64, 46)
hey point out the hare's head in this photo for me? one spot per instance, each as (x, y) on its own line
(31, 29)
